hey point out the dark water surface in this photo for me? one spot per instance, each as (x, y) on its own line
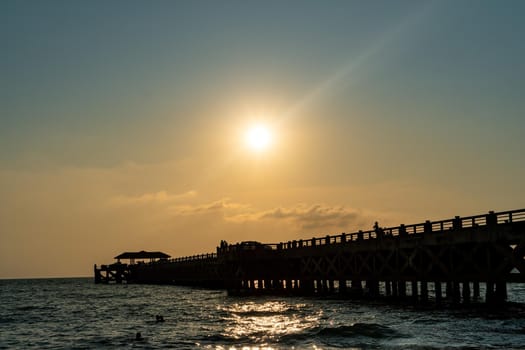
(77, 314)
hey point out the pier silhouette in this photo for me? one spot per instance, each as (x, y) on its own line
(432, 260)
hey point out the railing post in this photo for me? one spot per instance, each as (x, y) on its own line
(492, 219)
(456, 223)
(427, 228)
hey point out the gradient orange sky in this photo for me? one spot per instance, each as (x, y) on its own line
(123, 123)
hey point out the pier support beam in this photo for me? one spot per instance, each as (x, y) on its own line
(331, 287)
(466, 292)
(319, 289)
(288, 285)
(395, 289)
(501, 292)
(342, 287)
(97, 274)
(424, 291)
(402, 289)
(495, 292)
(277, 285)
(267, 284)
(489, 292)
(449, 290)
(357, 287)
(437, 291)
(453, 291)
(307, 286)
(415, 293)
(475, 287)
(388, 288)
(372, 288)
(456, 294)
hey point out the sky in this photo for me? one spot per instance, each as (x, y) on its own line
(123, 123)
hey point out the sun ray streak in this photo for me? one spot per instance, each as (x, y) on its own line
(340, 75)
(348, 70)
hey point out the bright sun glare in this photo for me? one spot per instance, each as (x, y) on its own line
(258, 137)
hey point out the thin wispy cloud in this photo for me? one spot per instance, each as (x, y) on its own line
(224, 206)
(153, 197)
(300, 216)
(307, 217)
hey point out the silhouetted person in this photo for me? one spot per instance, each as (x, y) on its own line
(378, 230)
(159, 318)
(138, 337)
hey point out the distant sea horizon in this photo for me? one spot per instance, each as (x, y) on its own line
(44, 278)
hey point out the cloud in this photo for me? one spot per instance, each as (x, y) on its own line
(153, 197)
(316, 216)
(222, 205)
(302, 216)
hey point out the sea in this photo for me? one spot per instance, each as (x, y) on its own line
(75, 313)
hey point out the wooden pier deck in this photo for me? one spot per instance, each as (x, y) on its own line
(430, 260)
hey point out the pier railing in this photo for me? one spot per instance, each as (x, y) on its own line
(195, 257)
(426, 227)
(457, 222)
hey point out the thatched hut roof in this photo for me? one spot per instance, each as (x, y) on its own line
(142, 255)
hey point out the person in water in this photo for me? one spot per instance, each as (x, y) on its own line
(159, 318)
(138, 337)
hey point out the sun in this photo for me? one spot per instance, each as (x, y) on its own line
(258, 137)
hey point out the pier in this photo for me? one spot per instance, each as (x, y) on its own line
(454, 260)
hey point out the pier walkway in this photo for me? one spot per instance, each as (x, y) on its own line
(430, 260)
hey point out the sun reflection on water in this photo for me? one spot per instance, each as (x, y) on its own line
(266, 322)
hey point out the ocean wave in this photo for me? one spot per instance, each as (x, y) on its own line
(426, 321)
(34, 307)
(6, 319)
(219, 338)
(264, 313)
(512, 330)
(59, 319)
(371, 330)
(323, 334)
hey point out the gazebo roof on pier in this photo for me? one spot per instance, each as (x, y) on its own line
(142, 255)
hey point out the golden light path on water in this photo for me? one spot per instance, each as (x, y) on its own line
(264, 323)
